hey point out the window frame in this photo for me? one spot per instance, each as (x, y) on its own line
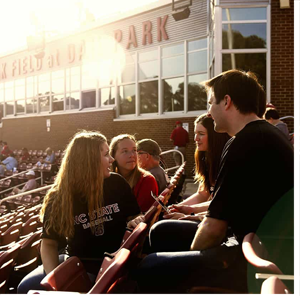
(219, 51)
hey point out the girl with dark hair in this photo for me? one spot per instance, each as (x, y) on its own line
(209, 147)
(86, 211)
(184, 217)
(123, 149)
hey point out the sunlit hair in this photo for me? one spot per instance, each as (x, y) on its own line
(133, 177)
(247, 94)
(207, 162)
(80, 177)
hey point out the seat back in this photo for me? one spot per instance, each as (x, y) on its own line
(131, 241)
(150, 213)
(9, 236)
(27, 260)
(30, 225)
(111, 270)
(5, 271)
(254, 253)
(68, 276)
(273, 285)
(7, 261)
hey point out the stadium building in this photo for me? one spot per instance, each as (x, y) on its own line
(140, 72)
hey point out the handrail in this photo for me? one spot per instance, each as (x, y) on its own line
(173, 150)
(27, 193)
(286, 117)
(15, 174)
(23, 183)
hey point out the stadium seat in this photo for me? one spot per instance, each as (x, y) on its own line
(22, 167)
(27, 260)
(34, 159)
(10, 236)
(27, 214)
(29, 166)
(254, 252)
(3, 228)
(26, 200)
(7, 261)
(111, 270)
(113, 265)
(58, 153)
(39, 153)
(273, 285)
(68, 276)
(30, 226)
(132, 238)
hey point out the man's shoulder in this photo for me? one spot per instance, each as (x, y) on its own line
(156, 170)
(258, 132)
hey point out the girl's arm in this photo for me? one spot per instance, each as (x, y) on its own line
(49, 254)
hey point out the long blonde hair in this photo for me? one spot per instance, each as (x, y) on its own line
(80, 177)
(133, 177)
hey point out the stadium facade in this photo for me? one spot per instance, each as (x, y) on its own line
(140, 72)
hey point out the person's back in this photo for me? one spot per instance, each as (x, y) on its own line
(30, 185)
(160, 177)
(180, 136)
(272, 116)
(258, 154)
(283, 128)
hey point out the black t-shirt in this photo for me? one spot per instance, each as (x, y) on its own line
(119, 204)
(256, 170)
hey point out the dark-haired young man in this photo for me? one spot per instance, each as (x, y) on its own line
(247, 187)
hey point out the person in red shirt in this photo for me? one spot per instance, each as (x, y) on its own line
(180, 139)
(123, 149)
(25, 155)
(5, 151)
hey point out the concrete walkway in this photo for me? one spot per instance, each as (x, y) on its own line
(189, 188)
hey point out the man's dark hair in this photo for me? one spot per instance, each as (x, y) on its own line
(246, 93)
(271, 113)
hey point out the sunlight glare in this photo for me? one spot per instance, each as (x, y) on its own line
(32, 17)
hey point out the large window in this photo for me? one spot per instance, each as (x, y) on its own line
(127, 93)
(173, 79)
(244, 40)
(197, 98)
(58, 90)
(127, 99)
(197, 72)
(173, 91)
(148, 66)
(160, 80)
(149, 97)
(44, 92)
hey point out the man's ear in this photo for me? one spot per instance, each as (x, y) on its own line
(227, 102)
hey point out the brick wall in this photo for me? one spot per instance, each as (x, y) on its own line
(32, 132)
(282, 60)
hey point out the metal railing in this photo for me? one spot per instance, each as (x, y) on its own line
(170, 151)
(19, 185)
(286, 117)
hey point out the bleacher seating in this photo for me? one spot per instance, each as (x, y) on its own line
(20, 228)
(63, 278)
